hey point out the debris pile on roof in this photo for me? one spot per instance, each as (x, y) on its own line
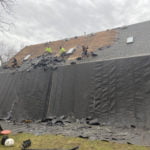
(43, 61)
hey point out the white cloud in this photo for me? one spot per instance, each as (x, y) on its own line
(40, 21)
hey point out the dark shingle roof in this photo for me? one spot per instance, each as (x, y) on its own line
(141, 45)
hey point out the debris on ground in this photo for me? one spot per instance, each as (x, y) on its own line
(59, 142)
(26, 144)
(85, 128)
(94, 122)
(83, 136)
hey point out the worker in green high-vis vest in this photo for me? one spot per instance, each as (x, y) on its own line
(62, 51)
(49, 50)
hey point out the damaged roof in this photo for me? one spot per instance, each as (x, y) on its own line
(110, 44)
(93, 41)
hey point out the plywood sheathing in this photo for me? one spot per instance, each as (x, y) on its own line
(93, 41)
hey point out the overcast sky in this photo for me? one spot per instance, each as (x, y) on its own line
(37, 21)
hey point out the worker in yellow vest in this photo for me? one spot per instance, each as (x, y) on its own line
(62, 51)
(49, 50)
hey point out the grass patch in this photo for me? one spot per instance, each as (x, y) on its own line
(65, 143)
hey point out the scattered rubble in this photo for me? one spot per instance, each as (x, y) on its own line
(70, 126)
(44, 61)
(83, 136)
(26, 144)
(133, 126)
(93, 122)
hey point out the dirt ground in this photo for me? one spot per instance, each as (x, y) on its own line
(85, 131)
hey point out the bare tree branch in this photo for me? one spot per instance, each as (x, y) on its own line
(5, 7)
(6, 52)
